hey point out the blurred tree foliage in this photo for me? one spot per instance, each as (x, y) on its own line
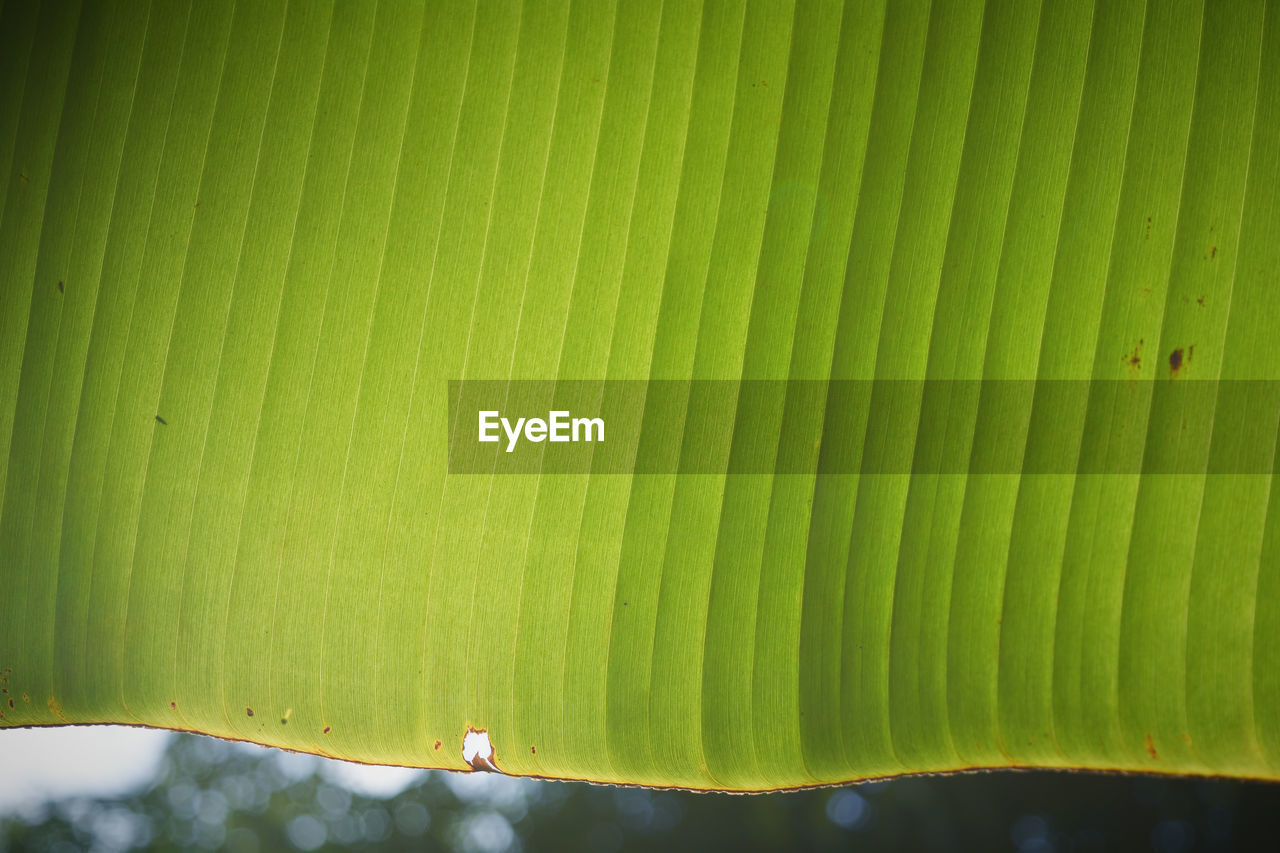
(211, 794)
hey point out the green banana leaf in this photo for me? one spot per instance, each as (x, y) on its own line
(938, 343)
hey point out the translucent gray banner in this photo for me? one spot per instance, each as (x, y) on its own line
(1172, 426)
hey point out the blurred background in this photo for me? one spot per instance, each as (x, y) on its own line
(109, 788)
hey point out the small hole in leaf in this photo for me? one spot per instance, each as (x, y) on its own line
(478, 751)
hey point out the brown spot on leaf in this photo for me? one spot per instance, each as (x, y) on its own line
(173, 706)
(248, 712)
(437, 744)
(1151, 748)
(533, 750)
(1200, 301)
(1134, 359)
(1213, 252)
(328, 729)
(1175, 361)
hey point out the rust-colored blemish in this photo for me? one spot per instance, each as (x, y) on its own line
(1186, 738)
(1200, 300)
(328, 729)
(1213, 252)
(248, 712)
(1151, 748)
(437, 744)
(1134, 359)
(533, 750)
(173, 706)
(1175, 361)
(55, 707)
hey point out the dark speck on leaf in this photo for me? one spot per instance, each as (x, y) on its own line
(437, 744)
(327, 729)
(1175, 360)
(161, 421)
(60, 290)
(1213, 251)
(249, 711)
(533, 749)
(284, 721)
(1134, 359)
(173, 706)
(10, 703)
